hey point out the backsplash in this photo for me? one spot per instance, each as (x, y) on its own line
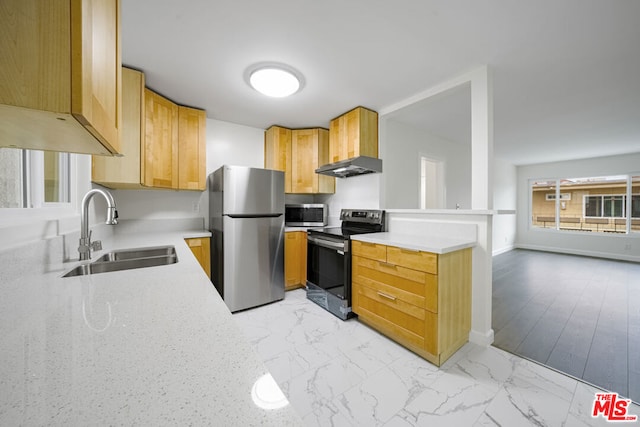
(32, 258)
(46, 251)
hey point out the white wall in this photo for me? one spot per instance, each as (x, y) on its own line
(356, 192)
(626, 247)
(505, 191)
(232, 144)
(404, 145)
(227, 143)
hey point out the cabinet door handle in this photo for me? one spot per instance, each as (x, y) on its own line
(387, 296)
(386, 264)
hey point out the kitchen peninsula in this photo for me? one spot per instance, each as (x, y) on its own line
(416, 289)
(148, 346)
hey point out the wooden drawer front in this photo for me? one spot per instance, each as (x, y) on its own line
(403, 324)
(417, 260)
(369, 250)
(415, 287)
(389, 299)
(420, 332)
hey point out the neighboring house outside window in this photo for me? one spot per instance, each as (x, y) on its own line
(594, 204)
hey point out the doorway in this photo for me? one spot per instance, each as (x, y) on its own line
(432, 193)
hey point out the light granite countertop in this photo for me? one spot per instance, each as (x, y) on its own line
(149, 346)
(435, 244)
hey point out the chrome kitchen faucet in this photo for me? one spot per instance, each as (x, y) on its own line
(85, 235)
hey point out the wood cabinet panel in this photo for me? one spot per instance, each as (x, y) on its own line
(125, 171)
(295, 260)
(414, 287)
(404, 328)
(96, 68)
(386, 296)
(201, 248)
(309, 150)
(60, 86)
(455, 298)
(277, 152)
(428, 313)
(163, 144)
(417, 260)
(160, 151)
(192, 142)
(369, 250)
(353, 134)
(299, 153)
(291, 261)
(304, 151)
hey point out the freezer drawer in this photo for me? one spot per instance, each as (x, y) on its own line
(253, 261)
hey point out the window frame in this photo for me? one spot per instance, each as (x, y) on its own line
(602, 205)
(557, 182)
(33, 205)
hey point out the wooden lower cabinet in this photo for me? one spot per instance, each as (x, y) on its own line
(419, 299)
(295, 260)
(201, 248)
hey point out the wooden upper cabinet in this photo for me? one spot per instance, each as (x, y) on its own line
(125, 171)
(163, 144)
(277, 152)
(60, 86)
(192, 143)
(160, 168)
(310, 150)
(353, 134)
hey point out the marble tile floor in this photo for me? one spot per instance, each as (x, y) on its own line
(338, 373)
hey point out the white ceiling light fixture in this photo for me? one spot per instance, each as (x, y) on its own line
(274, 80)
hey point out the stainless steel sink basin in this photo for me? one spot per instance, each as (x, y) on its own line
(125, 254)
(127, 259)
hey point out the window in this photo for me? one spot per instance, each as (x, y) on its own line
(592, 204)
(544, 212)
(34, 179)
(604, 206)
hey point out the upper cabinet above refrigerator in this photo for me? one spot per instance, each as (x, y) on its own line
(298, 153)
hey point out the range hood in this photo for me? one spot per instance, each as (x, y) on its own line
(351, 167)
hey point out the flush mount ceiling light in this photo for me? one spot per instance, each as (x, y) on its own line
(275, 80)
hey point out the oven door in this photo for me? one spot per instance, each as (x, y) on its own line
(328, 265)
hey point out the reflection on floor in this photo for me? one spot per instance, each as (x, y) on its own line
(346, 374)
(579, 315)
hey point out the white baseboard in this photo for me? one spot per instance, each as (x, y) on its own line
(503, 250)
(570, 251)
(483, 339)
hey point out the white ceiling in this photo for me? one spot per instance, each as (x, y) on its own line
(566, 74)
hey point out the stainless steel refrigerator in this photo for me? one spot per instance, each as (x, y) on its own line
(246, 208)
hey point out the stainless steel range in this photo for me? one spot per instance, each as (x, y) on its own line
(329, 259)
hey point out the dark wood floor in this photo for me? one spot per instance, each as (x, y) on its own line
(579, 315)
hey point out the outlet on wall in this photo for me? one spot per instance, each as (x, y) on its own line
(196, 206)
(627, 247)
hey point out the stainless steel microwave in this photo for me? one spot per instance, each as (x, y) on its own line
(306, 215)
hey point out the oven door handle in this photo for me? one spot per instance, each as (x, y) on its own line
(326, 243)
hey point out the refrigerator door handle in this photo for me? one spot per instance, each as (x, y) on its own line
(269, 215)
